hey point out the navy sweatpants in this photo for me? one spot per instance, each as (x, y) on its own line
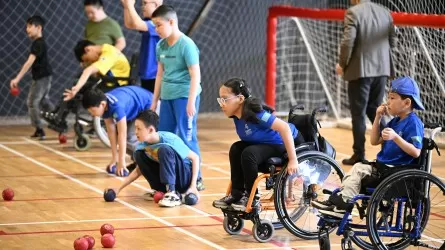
(173, 118)
(170, 169)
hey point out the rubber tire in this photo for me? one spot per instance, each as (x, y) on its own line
(82, 143)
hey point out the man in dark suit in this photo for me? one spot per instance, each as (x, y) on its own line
(365, 61)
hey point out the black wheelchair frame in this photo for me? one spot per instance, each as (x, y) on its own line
(82, 141)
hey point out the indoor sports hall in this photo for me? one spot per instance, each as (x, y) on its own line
(286, 51)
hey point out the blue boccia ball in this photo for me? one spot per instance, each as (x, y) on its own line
(190, 199)
(112, 169)
(109, 195)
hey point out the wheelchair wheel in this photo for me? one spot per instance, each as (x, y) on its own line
(323, 241)
(233, 225)
(82, 142)
(263, 231)
(101, 131)
(293, 194)
(413, 195)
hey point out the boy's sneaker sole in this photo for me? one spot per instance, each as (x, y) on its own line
(164, 203)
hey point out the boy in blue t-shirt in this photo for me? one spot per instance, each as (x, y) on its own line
(178, 81)
(164, 160)
(148, 65)
(401, 141)
(119, 108)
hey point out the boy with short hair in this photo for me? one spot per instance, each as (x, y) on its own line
(100, 28)
(164, 160)
(107, 61)
(41, 74)
(401, 141)
(178, 80)
(119, 108)
(148, 64)
(104, 59)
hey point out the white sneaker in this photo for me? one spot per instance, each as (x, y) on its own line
(171, 199)
(149, 195)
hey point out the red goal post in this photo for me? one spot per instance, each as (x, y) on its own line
(400, 19)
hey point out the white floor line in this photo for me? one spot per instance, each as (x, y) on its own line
(209, 243)
(102, 170)
(108, 220)
(217, 169)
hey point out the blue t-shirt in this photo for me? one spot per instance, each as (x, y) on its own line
(165, 138)
(411, 130)
(261, 132)
(148, 64)
(176, 60)
(127, 101)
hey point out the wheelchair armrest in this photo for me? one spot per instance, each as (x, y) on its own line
(275, 161)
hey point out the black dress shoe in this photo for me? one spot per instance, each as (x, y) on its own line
(353, 160)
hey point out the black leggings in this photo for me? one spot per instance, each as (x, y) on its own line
(247, 159)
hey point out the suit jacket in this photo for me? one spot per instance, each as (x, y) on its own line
(368, 38)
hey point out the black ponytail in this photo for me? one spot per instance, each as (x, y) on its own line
(252, 105)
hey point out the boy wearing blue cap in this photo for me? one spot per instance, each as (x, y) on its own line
(401, 141)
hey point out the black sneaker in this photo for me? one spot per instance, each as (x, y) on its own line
(225, 202)
(200, 185)
(38, 134)
(131, 167)
(340, 204)
(242, 203)
(325, 205)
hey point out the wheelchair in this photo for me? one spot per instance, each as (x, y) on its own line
(57, 120)
(398, 211)
(285, 200)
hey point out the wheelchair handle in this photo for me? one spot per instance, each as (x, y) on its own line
(322, 109)
(295, 107)
(434, 126)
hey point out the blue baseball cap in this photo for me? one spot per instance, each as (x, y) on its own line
(407, 86)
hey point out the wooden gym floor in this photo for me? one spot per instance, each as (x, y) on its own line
(58, 196)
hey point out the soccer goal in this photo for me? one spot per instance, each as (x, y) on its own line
(302, 51)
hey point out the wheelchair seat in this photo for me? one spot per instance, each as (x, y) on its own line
(275, 161)
(370, 182)
(113, 82)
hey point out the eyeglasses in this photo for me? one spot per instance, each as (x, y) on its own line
(222, 101)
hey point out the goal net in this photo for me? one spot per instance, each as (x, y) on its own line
(302, 52)
(65, 23)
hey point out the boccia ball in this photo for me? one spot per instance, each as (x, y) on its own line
(91, 241)
(8, 194)
(158, 196)
(106, 229)
(107, 241)
(109, 195)
(190, 199)
(81, 244)
(15, 91)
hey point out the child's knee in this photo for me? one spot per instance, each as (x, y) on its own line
(165, 151)
(138, 156)
(236, 148)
